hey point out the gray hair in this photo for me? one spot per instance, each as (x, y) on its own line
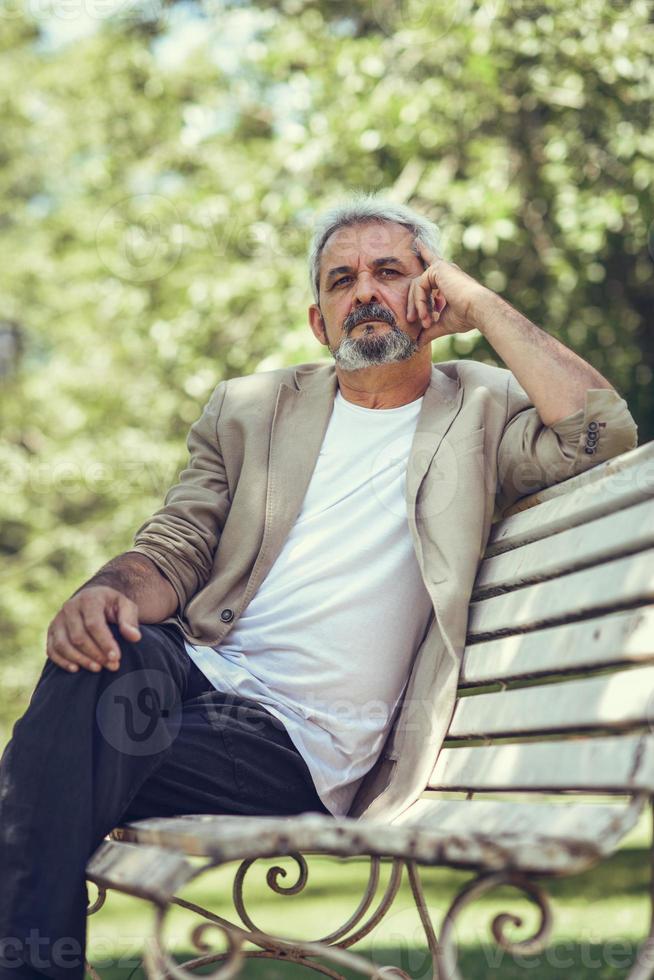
(364, 208)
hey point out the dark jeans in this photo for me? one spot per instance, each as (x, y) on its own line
(94, 750)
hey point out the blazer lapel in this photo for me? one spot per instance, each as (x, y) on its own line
(299, 424)
(440, 406)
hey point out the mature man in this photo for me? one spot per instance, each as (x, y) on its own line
(285, 634)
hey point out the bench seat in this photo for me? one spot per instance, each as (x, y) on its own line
(540, 838)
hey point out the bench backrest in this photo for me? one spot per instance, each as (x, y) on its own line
(557, 683)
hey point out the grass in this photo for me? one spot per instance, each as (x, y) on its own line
(600, 917)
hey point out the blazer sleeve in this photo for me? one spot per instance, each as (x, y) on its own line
(182, 536)
(532, 455)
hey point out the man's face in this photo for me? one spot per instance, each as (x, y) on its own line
(365, 273)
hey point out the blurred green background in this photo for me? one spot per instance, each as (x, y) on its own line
(161, 167)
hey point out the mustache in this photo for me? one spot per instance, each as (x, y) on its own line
(369, 311)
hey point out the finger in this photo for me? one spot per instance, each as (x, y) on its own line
(129, 630)
(77, 635)
(413, 311)
(439, 302)
(423, 308)
(127, 618)
(59, 645)
(418, 286)
(60, 662)
(96, 626)
(410, 305)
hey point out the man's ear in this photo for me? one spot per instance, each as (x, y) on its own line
(317, 324)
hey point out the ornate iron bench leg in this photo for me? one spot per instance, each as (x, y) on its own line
(444, 951)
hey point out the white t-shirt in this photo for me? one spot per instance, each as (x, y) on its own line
(327, 642)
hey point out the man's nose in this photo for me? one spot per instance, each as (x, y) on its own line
(366, 289)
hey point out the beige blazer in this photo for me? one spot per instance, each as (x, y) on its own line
(478, 446)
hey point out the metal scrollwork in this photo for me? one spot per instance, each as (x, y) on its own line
(339, 935)
(99, 901)
(444, 952)
(161, 963)
(273, 876)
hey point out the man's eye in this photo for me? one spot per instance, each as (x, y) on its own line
(384, 271)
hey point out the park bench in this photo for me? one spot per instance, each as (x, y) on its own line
(548, 763)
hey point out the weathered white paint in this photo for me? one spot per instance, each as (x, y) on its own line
(462, 841)
(641, 458)
(606, 538)
(147, 872)
(539, 836)
(618, 700)
(626, 581)
(608, 763)
(621, 487)
(620, 637)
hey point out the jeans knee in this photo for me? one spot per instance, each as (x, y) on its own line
(132, 653)
(149, 651)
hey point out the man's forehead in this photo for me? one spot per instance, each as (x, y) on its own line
(373, 239)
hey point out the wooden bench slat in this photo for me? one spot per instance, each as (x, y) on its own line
(469, 842)
(621, 583)
(230, 838)
(632, 461)
(144, 871)
(621, 487)
(539, 836)
(631, 530)
(614, 764)
(624, 637)
(624, 699)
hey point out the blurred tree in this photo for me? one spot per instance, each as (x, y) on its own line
(159, 176)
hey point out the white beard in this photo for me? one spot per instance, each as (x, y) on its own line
(371, 350)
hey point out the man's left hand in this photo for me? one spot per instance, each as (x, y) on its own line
(444, 299)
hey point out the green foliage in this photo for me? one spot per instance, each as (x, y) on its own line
(159, 177)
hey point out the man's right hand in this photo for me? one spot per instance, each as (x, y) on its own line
(79, 636)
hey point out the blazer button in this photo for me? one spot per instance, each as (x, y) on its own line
(227, 615)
